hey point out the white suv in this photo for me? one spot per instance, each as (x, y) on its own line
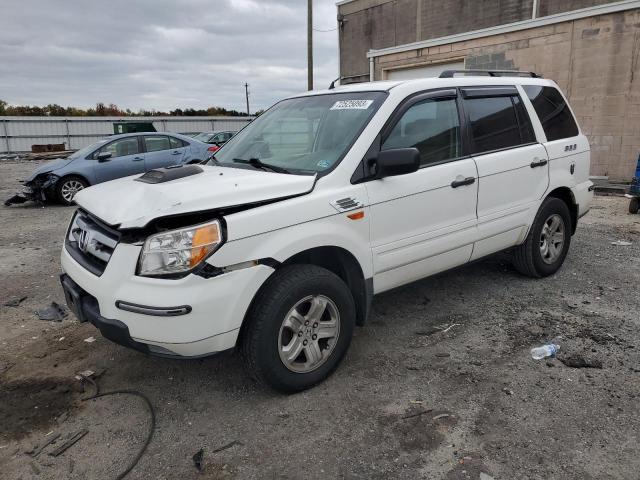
(277, 246)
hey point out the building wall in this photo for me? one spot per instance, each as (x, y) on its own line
(596, 61)
(376, 24)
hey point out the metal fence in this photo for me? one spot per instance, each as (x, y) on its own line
(17, 134)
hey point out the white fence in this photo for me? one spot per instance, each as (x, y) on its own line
(17, 134)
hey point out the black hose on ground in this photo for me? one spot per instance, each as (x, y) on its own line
(152, 414)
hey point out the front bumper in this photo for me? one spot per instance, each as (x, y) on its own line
(40, 189)
(217, 305)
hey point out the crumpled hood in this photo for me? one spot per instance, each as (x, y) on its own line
(48, 167)
(132, 204)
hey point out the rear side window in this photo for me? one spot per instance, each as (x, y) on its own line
(553, 112)
(155, 143)
(498, 122)
(176, 142)
(431, 126)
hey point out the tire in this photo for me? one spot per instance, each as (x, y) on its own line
(67, 187)
(634, 205)
(271, 325)
(537, 259)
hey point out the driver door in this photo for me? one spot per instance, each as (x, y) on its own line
(424, 222)
(126, 159)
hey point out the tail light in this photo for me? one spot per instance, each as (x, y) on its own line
(213, 148)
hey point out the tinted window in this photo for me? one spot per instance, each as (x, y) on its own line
(120, 148)
(432, 126)
(495, 125)
(553, 112)
(155, 143)
(176, 142)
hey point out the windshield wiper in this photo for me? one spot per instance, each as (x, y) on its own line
(257, 163)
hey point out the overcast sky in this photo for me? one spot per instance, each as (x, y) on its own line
(161, 55)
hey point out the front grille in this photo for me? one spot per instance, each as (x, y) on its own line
(90, 242)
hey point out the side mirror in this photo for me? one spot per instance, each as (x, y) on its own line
(104, 156)
(398, 161)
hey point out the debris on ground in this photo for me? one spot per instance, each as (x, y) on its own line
(72, 440)
(36, 450)
(198, 458)
(578, 361)
(507, 391)
(621, 243)
(485, 476)
(52, 313)
(228, 445)
(15, 302)
(90, 339)
(549, 350)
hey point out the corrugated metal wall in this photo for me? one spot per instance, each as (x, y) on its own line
(17, 134)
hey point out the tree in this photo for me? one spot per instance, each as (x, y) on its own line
(3, 107)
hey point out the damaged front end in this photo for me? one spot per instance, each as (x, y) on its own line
(40, 189)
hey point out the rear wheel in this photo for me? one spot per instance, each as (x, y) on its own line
(68, 187)
(547, 244)
(634, 205)
(299, 328)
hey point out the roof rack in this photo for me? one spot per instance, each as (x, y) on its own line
(490, 73)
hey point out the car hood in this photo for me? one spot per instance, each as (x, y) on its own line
(130, 203)
(48, 167)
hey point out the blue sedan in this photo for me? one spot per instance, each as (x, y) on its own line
(114, 157)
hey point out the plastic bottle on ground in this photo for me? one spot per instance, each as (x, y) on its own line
(545, 351)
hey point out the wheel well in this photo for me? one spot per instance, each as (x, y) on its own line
(566, 195)
(344, 265)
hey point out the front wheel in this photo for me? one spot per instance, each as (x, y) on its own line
(68, 187)
(547, 244)
(299, 328)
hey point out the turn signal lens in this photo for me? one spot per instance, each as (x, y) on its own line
(203, 238)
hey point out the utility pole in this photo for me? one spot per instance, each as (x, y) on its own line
(246, 94)
(309, 44)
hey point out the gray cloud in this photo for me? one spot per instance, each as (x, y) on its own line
(161, 54)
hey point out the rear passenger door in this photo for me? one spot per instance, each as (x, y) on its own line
(423, 222)
(161, 151)
(513, 169)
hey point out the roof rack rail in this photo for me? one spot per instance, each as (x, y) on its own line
(490, 73)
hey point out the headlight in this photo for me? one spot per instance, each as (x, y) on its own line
(178, 251)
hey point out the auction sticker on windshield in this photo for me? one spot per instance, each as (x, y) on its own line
(351, 104)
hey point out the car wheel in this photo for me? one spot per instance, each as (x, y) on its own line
(298, 329)
(634, 205)
(547, 243)
(68, 187)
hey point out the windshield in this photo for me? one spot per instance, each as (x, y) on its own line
(204, 137)
(302, 135)
(83, 152)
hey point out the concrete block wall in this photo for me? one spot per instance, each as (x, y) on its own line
(596, 61)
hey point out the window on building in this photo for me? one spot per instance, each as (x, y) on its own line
(553, 112)
(498, 122)
(433, 127)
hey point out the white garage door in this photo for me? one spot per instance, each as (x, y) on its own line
(423, 71)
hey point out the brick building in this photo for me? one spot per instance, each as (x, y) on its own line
(591, 48)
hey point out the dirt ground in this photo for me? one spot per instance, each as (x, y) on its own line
(438, 385)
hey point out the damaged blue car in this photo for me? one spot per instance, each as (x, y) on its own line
(114, 157)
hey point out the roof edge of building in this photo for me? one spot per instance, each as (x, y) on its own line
(509, 27)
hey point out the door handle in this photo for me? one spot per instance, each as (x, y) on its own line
(460, 183)
(137, 159)
(539, 163)
(176, 153)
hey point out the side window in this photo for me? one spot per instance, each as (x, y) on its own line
(553, 112)
(176, 142)
(155, 143)
(120, 148)
(498, 122)
(431, 126)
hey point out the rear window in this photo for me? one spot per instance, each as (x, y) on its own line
(498, 123)
(553, 112)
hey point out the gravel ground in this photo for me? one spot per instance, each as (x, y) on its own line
(438, 385)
